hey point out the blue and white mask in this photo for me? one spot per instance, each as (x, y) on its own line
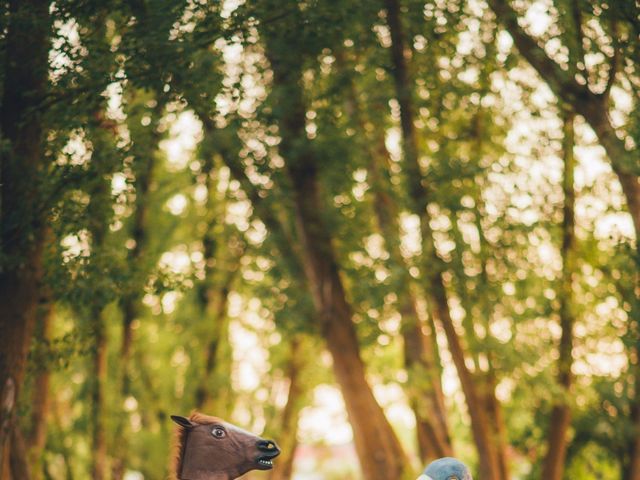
(446, 469)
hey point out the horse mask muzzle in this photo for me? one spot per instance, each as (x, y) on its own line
(268, 450)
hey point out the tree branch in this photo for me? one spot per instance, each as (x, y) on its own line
(614, 62)
(284, 237)
(560, 81)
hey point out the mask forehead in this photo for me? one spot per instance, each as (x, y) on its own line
(238, 430)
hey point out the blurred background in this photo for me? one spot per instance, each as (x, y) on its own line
(377, 232)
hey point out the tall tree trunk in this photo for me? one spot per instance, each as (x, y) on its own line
(40, 397)
(433, 267)
(222, 264)
(631, 467)
(288, 438)
(98, 213)
(97, 410)
(21, 212)
(424, 389)
(490, 380)
(496, 421)
(20, 469)
(485, 379)
(130, 304)
(379, 450)
(553, 466)
(476, 403)
(144, 152)
(214, 310)
(423, 386)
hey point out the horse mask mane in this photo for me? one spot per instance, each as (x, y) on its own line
(208, 448)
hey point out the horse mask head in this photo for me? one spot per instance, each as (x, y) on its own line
(212, 449)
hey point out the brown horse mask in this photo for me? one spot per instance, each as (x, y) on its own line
(212, 449)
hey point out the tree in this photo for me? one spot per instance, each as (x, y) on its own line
(561, 414)
(24, 88)
(379, 450)
(574, 87)
(433, 265)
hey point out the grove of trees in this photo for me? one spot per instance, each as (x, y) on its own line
(225, 205)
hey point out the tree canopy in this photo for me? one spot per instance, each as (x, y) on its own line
(382, 232)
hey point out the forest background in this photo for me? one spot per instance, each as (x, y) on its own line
(381, 232)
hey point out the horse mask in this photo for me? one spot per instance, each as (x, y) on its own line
(212, 449)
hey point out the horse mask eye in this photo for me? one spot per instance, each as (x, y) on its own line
(218, 432)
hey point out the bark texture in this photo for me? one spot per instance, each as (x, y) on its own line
(21, 212)
(20, 469)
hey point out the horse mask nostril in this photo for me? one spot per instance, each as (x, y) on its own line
(268, 446)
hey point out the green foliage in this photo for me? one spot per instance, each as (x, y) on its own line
(164, 189)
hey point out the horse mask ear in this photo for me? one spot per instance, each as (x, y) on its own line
(183, 422)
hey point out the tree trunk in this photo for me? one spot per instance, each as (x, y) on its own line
(631, 468)
(380, 453)
(144, 152)
(288, 438)
(210, 393)
(631, 459)
(99, 373)
(21, 214)
(40, 397)
(553, 466)
(104, 159)
(595, 112)
(433, 266)
(378, 448)
(485, 380)
(480, 421)
(221, 267)
(490, 380)
(130, 304)
(496, 421)
(98, 213)
(423, 387)
(19, 464)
